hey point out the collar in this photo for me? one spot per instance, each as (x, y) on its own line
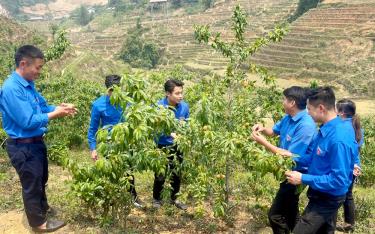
(299, 115)
(22, 80)
(327, 127)
(166, 103)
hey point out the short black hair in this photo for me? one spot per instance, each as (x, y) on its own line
(297, 94)
(171, 84)
(324, 96)
(27, 52)
(112, 80)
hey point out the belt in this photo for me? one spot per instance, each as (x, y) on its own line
(27, 140)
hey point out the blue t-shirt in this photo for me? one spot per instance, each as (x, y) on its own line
(295, 133)
(23, 109)
(103, 113)
(181, 112)
(330, 158)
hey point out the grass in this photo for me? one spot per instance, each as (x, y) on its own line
(249, 213)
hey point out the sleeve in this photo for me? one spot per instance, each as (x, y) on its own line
(357, 158)
(303, 159)
(17, 106)
(93, 128)
(187, 115)
(339, 161)
(301, 139)
(44, 106)
(277, 127)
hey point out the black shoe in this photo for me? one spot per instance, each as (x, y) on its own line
(138, 203)
(156, 204)
(51, 226)
(179, 205)
(345, 228)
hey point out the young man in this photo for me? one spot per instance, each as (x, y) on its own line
(103, 113)
(25, 117)
(330, 165)
(174, 100)
(296, 130)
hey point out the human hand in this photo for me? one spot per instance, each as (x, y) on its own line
(71, 107)
(256, 136)
(357, 170)
(173, 135)
(257, 128)
(94, 155)
(294, 177)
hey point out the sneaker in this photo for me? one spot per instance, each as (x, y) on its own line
(179, 205)
(156, 204)
(345, 228)
(138, 203)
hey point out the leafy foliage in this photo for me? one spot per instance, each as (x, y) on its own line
(139, 52)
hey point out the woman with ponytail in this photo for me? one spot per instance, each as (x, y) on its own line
(346, 109)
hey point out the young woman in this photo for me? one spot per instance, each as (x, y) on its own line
(346, 109)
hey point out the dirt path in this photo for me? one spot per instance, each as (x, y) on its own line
(15, 222)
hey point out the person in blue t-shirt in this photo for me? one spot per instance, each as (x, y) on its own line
(296, 130)
(103, 113)
(330, 161)
(346, 109)
(174, 101)
(25, 115)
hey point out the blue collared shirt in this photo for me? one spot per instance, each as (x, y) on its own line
(295, 132)
(103, 113)
(181, 112)
(23, 109)
(331, 158)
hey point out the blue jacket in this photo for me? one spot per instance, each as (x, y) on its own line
(23, 109)
(181, 112)
(330, 158)
(103, 113)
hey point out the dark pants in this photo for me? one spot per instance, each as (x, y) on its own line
(349, 207)
(31, 164)
(320, 214)
(175, 178)
(284, 212)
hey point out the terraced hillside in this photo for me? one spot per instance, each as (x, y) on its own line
(175, 34)
(334, 43)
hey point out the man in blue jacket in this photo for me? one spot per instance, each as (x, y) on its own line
(25, 117)
(296, 130)
(174, 101)
(103, 113)
(330, 165)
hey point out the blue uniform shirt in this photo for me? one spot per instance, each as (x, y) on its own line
(102, 113)
(23, 109)
(331, 158)
(181, 112)
(295, 132)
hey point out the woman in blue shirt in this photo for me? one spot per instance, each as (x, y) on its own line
(346, 109)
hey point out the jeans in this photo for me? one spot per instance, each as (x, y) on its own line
(320, 214)
(175, 179)
(31, 163)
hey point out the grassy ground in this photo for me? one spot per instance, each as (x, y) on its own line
(249, 213)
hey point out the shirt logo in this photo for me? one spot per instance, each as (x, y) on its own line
(288, 138)
(319, 151)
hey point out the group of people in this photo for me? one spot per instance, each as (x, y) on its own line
(327, 158)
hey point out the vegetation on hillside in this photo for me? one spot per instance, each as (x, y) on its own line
(139, 51)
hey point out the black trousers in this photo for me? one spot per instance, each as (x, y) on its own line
(284, 212)
(31, 163)
(175, 179)
(349, 207)
(320, 214)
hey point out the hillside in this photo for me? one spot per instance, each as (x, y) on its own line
(333, 43)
